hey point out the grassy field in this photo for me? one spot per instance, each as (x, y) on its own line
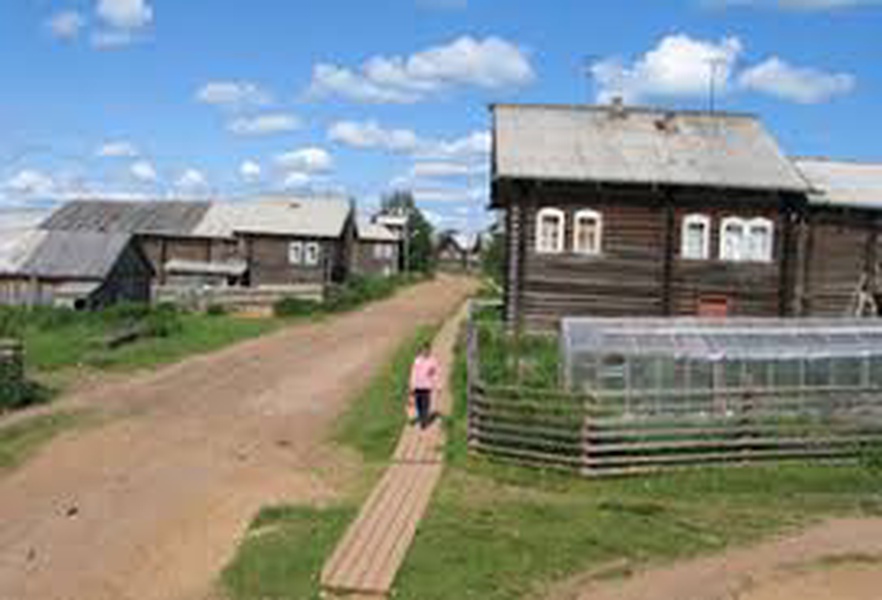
(282, 555)
(19, 441)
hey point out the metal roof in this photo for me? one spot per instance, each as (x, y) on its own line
(65, 254)
(375, 232)
(608, 144)
(293, 216)
(16, 246)
(155, 217)
(842, 183)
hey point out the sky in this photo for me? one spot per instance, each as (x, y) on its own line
(155, 99)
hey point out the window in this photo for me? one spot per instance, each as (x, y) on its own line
(550, 231)
(695, 237)
(384, 251)
(732, 234)
(759, 240)
(295, 253)
(587, 232)
(312, 253)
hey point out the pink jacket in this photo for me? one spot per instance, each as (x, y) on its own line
(425, 373)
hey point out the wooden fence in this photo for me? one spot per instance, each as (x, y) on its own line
(11, 373)
(615, 433)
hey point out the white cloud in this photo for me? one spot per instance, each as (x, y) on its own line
(192, 179)
(30, 182)
(233, 94)
(268, 124)
(798, 84)
(250, 170)
(426, 193)
(66, 24)
(143, 170)
(118, 149)
(491, 63)
(679, 66)
(306, 160)
(446, 169)
(125, 14)
(369, 134)
(109, 39)
(296, 180)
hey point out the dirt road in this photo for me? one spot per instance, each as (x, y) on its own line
(837, 560)
(150, 505)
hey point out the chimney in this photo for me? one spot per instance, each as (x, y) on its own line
(617, 108)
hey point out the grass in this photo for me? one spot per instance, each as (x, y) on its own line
(20, 441)
(282, 555)
(375, 418)
(503, 532)
(284, 551)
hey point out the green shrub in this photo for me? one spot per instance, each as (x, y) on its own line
(216, 310)
(126, 312)
(162, 323)
(295, 307)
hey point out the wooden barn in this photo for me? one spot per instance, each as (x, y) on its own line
(617, 211)
(377, 251)
(81, 270)
(842, 244)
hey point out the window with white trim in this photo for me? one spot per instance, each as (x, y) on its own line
(732, 239)
(550, 231)
(587, 232)
(311, 254)
(295, 253)
(695, 237)
(760, 239)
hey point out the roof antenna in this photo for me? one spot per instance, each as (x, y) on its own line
(714, 63)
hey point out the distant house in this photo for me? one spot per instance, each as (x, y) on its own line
(82, 270)
(288, 244)
(842, 245)
(619, 211)
(377, 251)
(458, 251)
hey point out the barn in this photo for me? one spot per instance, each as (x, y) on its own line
(82, 270)
(619, 211)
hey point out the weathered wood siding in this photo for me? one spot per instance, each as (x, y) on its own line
(365, 261)
(267, 257)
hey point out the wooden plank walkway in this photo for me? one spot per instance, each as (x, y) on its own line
(372, 550)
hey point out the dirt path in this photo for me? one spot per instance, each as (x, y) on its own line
(150, 506)
(839, 559)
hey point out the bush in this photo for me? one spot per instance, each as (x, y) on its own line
(295, 307)
(126, 312)
(163, 322)
(216, 310)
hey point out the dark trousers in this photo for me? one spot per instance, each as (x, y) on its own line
(423, 400)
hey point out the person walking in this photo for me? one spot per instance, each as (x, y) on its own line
(425, 376)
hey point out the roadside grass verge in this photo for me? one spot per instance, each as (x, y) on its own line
(500, 532)
(21, 440)
(286, 546)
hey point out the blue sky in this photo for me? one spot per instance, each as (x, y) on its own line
(162, 98)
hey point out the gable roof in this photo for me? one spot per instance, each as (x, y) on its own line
(63, 254)
(154, 217)
(291, 216)
(638, 145)
(374, 232)
(842, 183)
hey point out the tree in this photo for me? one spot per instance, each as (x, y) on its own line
(493, 257)
(419, 253)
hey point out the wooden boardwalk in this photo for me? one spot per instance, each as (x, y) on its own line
(372, 550)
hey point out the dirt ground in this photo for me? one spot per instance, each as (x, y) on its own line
(150, 505)
(837, 560)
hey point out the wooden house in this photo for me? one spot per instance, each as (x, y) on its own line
(458, 252)
(377, 251)
(81, 270)
(615, 211)
(841, 247)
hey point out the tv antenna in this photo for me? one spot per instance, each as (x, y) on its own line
(715, 64)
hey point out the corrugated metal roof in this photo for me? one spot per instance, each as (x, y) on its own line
(639, 145)
(66, 254)
(842, 183)
(156, 217)
(375, 232)
(295, 216)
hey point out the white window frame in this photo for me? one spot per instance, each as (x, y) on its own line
(597, 217)
(738, 250)
(312, 254)
(295, 253)
(689, 221)
(561, 230)
(752, 251)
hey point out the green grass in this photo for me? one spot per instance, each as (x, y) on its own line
(503, 532)
(374, 420)
(283, 553)
(20, 441)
